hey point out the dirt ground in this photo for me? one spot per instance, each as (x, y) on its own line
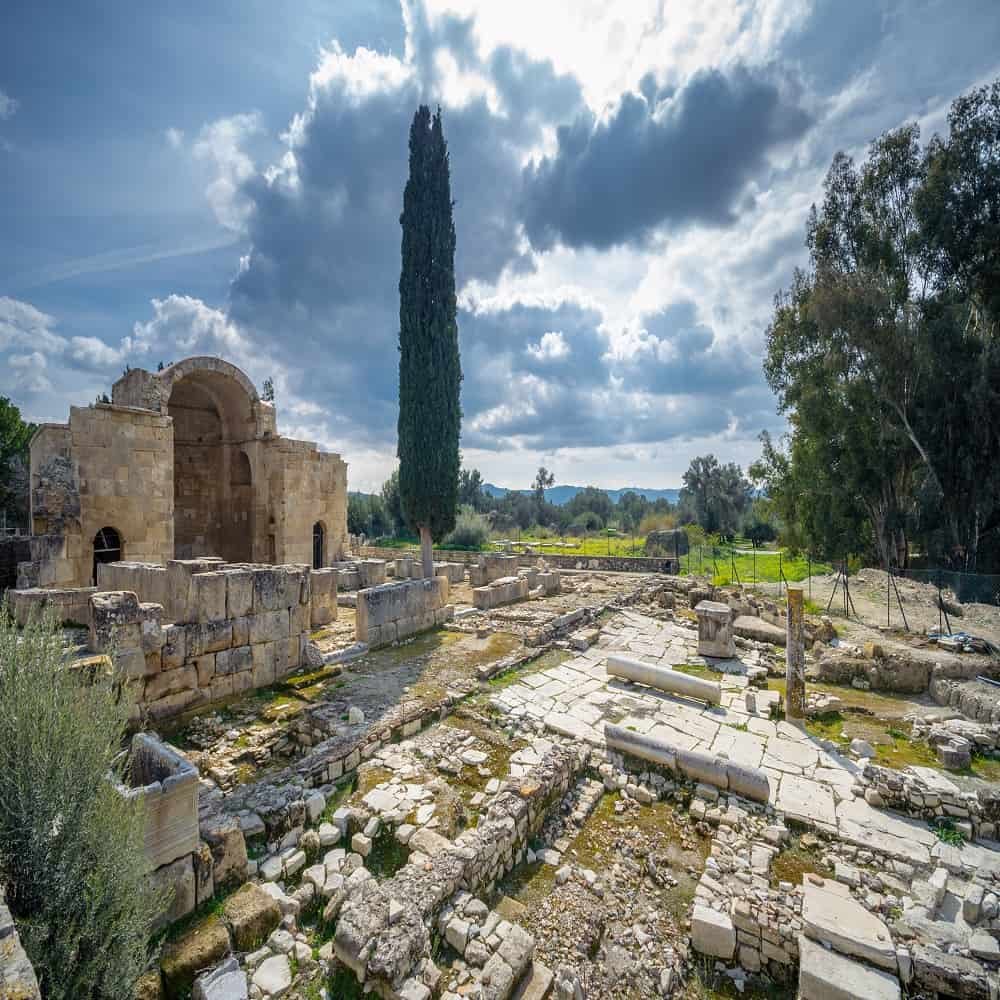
(919, 603)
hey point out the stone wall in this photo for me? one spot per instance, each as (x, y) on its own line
(17, 977)
(71, 605)
(394, 611)
(503, 591)
(229, 629)
(355, 574)
(617, 564)
(109, 467)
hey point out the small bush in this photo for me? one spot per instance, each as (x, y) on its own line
(71, 847)
(471, 531)
(656, 522)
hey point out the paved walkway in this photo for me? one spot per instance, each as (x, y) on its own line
(808, 780)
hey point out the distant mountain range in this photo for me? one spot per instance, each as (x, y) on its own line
(560, 495)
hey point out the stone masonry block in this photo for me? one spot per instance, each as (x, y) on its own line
(208, 597)
(239, 592)
(269, 626)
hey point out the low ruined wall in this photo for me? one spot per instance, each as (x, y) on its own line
(355, 574)
(71, 605)
(617, 564)
(394, 611)
(503, 591)
(383, 953)
(246, 628)
(17, 977)
(491, 567)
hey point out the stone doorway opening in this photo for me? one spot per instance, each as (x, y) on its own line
(107, 548)
(319, 544)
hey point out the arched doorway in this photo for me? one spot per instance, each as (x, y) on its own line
(319, 544)
(212, 414)
(107, 548)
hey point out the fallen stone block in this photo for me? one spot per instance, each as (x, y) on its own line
(831, 915)
(826, 975)
(227, 982)
(712, 932)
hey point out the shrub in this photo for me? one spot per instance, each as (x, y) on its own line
(71, 847)
(656, 522)
(471, 531)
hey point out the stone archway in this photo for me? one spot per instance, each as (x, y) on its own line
(214, 485)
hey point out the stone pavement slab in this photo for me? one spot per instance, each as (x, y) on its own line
(805, 800)
(825, 975)
(830, 914)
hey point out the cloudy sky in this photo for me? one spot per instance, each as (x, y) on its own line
(631, 183)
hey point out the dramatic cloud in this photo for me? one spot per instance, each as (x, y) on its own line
(627, 201)
(671, 157)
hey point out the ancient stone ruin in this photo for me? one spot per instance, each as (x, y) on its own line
(182, 463)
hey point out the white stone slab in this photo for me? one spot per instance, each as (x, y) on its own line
(825, 975)
(831, 915)
(806, 800)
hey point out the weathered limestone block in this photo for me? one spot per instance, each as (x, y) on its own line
(65, 605)
(17, 977)
(179, 605)
(323, 606)
(177, 878)
(114, 621)
(199, 949)
(234, 660)
(267, 586)
(830, 914)
(229, 850)
(252, 914)
(371, 572)
(827, 975)
(208, 637)
(241, 631)
(168, 682)
(148, 580)
(239, 592)
(174, 649)
(393, 602)
(263, 664)
(269, 626)
(715, 633)
(167, 783)
(287, 655)
(453, 572)
(712, 932)
(665, 679)
(506, 590)
(225, 982)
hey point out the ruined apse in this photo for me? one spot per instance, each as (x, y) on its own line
(182, 463)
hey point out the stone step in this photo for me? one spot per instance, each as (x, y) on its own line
(827, 975)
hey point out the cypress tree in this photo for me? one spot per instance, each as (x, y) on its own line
(430, 373)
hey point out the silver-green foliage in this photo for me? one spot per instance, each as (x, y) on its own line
(471, 531)
(71, 847)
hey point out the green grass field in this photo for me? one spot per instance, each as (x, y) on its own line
(723, 564)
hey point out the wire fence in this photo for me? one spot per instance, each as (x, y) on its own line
(936, 601)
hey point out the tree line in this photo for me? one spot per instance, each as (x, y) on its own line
(884, 353)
